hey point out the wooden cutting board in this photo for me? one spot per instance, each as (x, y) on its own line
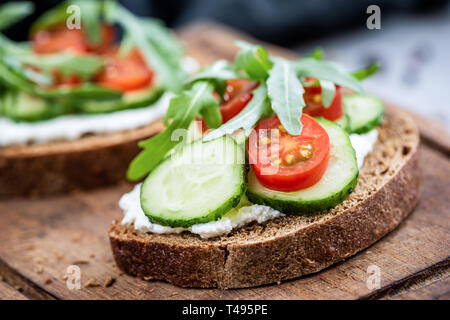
(40, 239)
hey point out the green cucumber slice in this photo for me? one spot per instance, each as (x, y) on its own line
(198, 183)
(129, 100)
(25, 107)
(338, 181)
(344, 122)
(365, 112)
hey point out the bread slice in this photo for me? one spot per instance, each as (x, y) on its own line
(288, 247)
(89, 162)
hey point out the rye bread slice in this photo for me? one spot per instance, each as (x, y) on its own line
(63, 166)
(288, 247)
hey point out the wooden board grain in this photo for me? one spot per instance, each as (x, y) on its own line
(40, 239)
(9, 293)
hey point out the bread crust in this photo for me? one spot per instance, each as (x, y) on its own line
(63, 166)
(291, 246)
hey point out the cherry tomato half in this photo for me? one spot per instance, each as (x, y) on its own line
(59, 39)
(314, 106)
(125, 73)
(288, 163)
(62, 39)
(237, 95)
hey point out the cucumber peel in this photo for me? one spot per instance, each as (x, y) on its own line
(365, 112)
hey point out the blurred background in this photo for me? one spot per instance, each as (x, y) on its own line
(413, 44)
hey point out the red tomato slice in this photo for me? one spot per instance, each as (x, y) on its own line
(288, 163)
(60, 39)
(108, 37)
(237, 95)
(314, 107)
(125, 74)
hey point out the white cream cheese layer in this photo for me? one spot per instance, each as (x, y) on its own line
(133, 215)
(72, 127)
(363, 144)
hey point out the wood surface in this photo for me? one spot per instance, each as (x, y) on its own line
(40, 239)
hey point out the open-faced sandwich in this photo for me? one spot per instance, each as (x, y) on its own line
(282, 175)
(76, 98)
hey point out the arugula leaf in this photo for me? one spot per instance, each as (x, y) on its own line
(286, 95)
(258, 107)
(316, 54)
(67, 63)
(164, 39)
(50, 18)
(14, 76)
(12, 12)
(212, 117)
(169, 73)
(90, 18)
(219, 70)
(85, 66)
(309, 67)
(364, 73)
(253, 60)
(328, 91)
(184, 108)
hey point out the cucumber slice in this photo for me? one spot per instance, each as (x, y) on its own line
(25, 107)
(129, 100)
(344, 122)
(200, 182)
(338, 181)
(365, 112)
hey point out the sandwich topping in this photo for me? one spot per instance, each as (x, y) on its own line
(276, 138)
(67, 82)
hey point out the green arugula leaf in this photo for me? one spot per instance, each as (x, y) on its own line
(364, 73)
(253, 60)
(219, 70)
(12, 12)
(50, 18)
(258, 107)
(309, 67)
(184, 108)
(67, 63)
(286, 95)
(212, 117)
(169, 74)
(164, 40)
(90, 18)
(316, 54)
(14, 76)
(328, 90)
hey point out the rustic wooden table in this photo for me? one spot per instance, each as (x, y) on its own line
(39, 239)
